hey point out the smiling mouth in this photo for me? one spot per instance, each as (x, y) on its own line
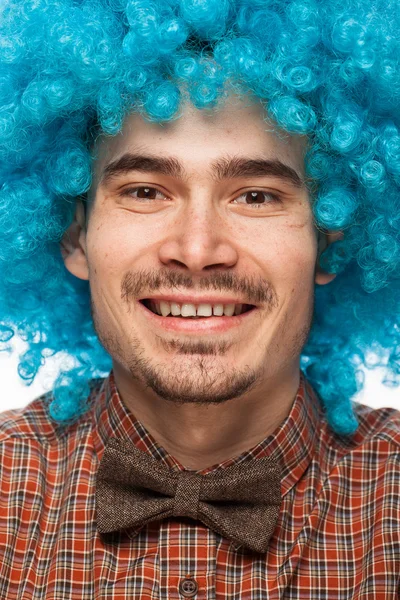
(150, 306)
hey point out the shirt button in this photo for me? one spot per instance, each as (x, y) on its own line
(188, 587)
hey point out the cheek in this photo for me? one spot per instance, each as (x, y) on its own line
(112, 249)
(285, 253)
(289, 256)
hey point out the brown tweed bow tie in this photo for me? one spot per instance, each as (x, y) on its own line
(240, 502)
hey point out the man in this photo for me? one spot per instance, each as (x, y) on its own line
(220, 201)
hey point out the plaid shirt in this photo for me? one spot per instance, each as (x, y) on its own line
(337, 537)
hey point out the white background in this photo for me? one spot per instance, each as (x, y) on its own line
(15, 395)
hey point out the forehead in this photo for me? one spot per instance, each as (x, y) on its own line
(199, 137)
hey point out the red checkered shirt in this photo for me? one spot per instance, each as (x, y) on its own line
(337, 537)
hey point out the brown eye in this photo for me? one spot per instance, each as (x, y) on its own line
(143, 193)
(255, 197)
(258, 198)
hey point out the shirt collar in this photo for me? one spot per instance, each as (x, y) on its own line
(293, 443)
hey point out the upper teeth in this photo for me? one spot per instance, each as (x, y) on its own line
(190, 310)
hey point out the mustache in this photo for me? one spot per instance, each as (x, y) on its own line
(135, 285)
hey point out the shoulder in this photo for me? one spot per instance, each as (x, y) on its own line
(374, 447)
(33, 421)
(381, 424)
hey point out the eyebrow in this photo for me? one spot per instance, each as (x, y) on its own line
(145, 164)
(229, 168)
(223, 168)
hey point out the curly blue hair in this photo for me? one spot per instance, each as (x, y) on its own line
(327, 69)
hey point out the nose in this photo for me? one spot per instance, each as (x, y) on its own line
(199, 239)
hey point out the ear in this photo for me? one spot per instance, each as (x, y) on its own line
(73, 245)
(324, 240)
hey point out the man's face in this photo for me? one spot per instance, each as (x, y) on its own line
(211, 205)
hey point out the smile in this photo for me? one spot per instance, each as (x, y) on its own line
(197, 325)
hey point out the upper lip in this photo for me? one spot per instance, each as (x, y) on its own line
(180, 299)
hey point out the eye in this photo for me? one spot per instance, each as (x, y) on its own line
(144, 193)
(258, 198)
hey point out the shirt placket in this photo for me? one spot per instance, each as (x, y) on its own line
(187, 560)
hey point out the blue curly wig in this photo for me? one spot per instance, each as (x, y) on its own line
(328, 69)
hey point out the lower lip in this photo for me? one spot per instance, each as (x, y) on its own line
(205, 325)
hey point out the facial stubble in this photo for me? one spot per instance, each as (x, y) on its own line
(201, 379)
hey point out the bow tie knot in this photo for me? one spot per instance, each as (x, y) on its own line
(241, 502)
(187, 495)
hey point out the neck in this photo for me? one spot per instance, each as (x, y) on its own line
(204, 435)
